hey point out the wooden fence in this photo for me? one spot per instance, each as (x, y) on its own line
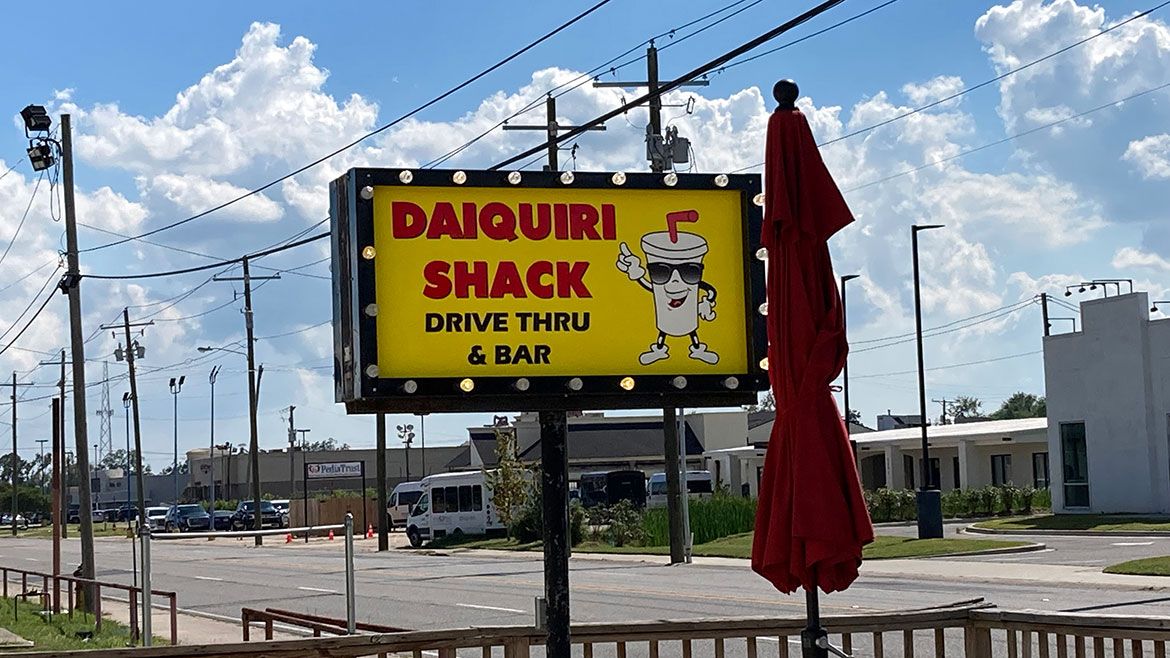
(331, 511)
(971, 629)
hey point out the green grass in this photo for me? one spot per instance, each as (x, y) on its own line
(1150, 566)
(1098, 522)
(99, 530)
(740, 546)
(61, 633)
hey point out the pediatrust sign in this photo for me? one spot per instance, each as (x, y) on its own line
(323, 470)
(463, 290)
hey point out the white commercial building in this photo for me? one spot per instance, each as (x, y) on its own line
(1108, 389)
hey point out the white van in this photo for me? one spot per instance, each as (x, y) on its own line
(452, 504)
(699, 485)
(404, 497)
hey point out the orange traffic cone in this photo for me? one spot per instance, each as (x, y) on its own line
(370, 531)
(288, 538)
(330, 535)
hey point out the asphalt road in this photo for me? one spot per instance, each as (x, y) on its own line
(416, 590)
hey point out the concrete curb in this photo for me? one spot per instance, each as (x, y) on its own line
(976, 530)
(1010, 550)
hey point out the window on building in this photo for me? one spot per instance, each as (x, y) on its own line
(1074, 464)
(908, 470)
(1040, 470)
(95, 485)
(1001, 470)
(955, 472)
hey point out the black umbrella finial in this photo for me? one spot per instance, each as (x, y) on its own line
(786, 92)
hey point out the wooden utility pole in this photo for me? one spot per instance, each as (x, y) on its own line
(15, 457)
(253, 391)
(131, 352)
(56, 508)
(71, 285)
(675, 467)
(552, 129)
(61, 492)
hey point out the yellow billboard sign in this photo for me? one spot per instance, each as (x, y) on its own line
(641, 285)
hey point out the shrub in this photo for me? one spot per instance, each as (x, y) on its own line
(625, 524)
(1043, 500)
(1025, 497)
(711, 518)
(528, 526)
(892, 505)
(1007, 497)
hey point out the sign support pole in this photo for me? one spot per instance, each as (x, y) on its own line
(555, 494)
(305, 497)
(365, 522)
(383, 522)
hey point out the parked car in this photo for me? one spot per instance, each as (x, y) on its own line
(21, 522)
(186, 518)
(282, 506)
(221, 519)
(155, 517)
(127, 512)
(109, 515)
(404, 496)
(244, 516)
(73, 514)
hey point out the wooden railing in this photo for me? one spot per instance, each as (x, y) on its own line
(318, 624)
(970, 629)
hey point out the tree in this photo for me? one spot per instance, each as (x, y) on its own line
(117, 459)
(508, 483)
(854, 417)
(965, 406)
(1022, 405)
(324, 445)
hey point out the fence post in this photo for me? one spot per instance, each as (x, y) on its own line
(174, 618)
(134, 635)
(246, 621)
(97, 607)
(350, 603)
(147, 636)
(977, 641)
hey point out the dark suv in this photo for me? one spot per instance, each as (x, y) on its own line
(186, 518)
(244, 517)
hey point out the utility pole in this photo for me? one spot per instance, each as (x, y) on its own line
(71, 285)
(661, 152)
(57, 509)
(15, 457)
(134, 350)
(41, 446)
(211, 454)
(380, 451)
(292, 441)
(253, 390)
(943, 402)
(59, 448)
(552, 129)
(1044, 312)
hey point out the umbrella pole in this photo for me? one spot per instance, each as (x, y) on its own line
(814, 640)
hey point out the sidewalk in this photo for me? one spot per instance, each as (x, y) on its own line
(193, 628)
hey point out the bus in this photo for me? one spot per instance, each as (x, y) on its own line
(452, 504)
(604, 488)
(699, 485)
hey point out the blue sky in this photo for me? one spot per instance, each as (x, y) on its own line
(176, 108)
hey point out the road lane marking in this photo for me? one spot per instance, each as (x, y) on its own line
(318, 589)
(208, 578)
(32, 559)
(490, 607)
(1133, 543)
(777, 641)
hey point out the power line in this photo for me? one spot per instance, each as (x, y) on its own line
(980, 85)
(31, 302)
(209, 266)
(940, 333)
(16, 234)
(380, 129)
(48, 298)
(676, 83)
(948, 366)
(883, 339)
(998, 142)
(12, 168)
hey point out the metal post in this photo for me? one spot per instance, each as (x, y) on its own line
(350, 601)
(56, 509)
(305, 497)
(72, 284)
(813, 639)
(130, 515)
(211, 503)
(555, 497)
(292, 441)
(930, 524)
(63, 490)
(685, 487)
(15, 457)
(673, 501)
(175, 465)
(422, 437)
(144, 534)
(845, 370)
(380, 451)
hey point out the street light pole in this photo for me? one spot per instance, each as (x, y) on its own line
(176, 387)
(211, 455)
(129, 514)
(930, 525)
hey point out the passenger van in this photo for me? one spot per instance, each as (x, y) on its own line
(452, 504)
(699, 485)
(404, 497)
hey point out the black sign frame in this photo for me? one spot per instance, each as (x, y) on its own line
(355, 331)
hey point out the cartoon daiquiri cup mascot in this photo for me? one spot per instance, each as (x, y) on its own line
(674, 261)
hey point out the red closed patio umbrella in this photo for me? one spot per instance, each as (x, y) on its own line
(811, 522)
